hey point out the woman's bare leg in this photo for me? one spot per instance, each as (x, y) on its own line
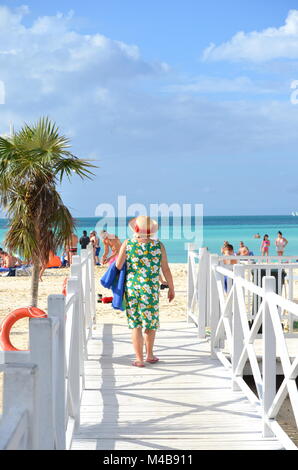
(42, 270)
(149, 337)
(138, 344)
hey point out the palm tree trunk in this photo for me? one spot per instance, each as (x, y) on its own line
(34, 283)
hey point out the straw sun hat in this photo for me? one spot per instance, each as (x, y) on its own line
(143, 225)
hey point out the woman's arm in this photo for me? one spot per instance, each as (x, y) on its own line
(122, 256)
(167, 272)
(106, 251)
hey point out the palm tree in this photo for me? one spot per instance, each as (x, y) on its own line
(32, 162)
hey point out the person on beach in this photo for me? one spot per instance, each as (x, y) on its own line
(243, 250)
(225, 244)
(84, 240)
(9, 261)
(94, 240)
(144, 257)
(64, 262)
(257, 235)
(280, 243)
(110, 242)
(265, 245)
(229, 251)
(71, 247)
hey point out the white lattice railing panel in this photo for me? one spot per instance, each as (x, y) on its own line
(237, 341)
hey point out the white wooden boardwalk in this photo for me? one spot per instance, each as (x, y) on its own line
(183, 402)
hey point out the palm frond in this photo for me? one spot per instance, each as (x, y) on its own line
(32, 162)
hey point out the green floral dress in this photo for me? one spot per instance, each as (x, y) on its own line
(143, 262)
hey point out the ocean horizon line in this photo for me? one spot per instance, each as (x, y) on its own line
(181, 216)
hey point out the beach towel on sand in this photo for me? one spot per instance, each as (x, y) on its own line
(115, 280)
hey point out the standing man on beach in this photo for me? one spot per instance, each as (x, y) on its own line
(96, 248)
(84, 240)
(243, 250)
(111, 242)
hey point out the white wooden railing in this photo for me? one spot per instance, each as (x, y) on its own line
(198, 282)
(246, 315)
(197, 288)
(43, 387)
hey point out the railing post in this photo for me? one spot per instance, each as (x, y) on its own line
(237, 335)
(77, 272)
(269, 356)
(214, 303)
(92, 283)
(41, 331)
(201, 291)
(86, 290)
(56, 309)
(74, 354)
(190, 281)
(20, 394)
(207, 288)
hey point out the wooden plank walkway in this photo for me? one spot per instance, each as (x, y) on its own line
(183, 402)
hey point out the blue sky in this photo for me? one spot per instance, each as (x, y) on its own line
(184, 102)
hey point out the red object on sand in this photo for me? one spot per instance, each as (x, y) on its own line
(107, 300)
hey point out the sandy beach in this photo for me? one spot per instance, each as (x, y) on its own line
(15, 292)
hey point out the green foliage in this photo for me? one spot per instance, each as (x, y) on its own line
(32, 162)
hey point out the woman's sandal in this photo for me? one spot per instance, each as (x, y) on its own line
(153, 360)
(137, 364)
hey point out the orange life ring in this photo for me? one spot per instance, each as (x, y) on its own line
(11, 319)
(64, 286)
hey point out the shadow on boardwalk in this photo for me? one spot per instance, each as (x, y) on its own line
(182, 402)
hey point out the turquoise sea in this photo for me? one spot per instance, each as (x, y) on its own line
(215, 230)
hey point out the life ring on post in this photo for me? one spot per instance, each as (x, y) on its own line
(11, 319)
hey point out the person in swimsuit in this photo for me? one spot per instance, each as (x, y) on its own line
(110, 242)
(96, 247)
(280, 243)
(10, 261)
(243, 250)
(72, 247)
(265, 245)
(228, 250)
(144, 258)
(225, 244)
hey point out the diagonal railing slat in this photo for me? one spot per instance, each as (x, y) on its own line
(236, 345)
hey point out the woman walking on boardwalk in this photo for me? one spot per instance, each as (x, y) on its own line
(144, 258)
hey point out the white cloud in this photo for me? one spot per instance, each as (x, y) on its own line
(211, 84)
(49, 58)
(271, 43)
